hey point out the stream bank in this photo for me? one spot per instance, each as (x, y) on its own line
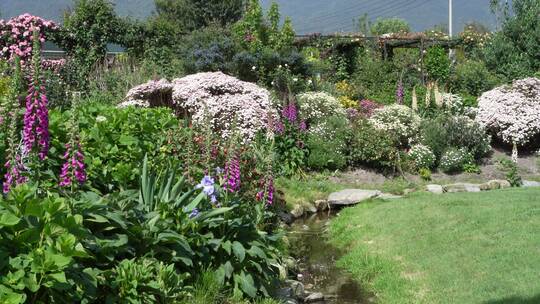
(316, 265)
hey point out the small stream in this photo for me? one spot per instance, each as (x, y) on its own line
(316, 262)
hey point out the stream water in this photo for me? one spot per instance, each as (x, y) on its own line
(317, 269)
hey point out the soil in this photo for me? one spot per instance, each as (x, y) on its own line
(529, 169)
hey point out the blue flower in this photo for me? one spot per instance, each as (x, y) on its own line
(207, 184)
(194, 213)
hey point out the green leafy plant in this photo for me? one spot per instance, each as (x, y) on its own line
(425, 174)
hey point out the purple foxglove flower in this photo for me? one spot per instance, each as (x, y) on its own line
(14, 176)
(290, 112)
(73, 169)
(232, 175)
(302, 126)
(36, 122)
(280, 128)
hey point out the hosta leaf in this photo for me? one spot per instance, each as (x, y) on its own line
(228, 268)
(239, 251)
(247, 285)
(227, 246)
(8, 219)
(257, 252)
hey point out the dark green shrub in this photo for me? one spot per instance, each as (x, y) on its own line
(372, 147)
(327, 144)
(473, 78)
(445, 131)
(437, 64)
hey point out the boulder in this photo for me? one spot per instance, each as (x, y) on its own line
(349, 197)
(297, 211)
(321, 205)
(436, 189)
(314, 298)
(529, 184)
(309, 208)
(298, 290)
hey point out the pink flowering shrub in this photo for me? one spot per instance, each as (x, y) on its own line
(224, 101)
(512, 113)
(53, 65)
(16, 36)
(154, 93)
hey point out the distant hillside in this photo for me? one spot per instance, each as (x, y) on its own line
(308, 15)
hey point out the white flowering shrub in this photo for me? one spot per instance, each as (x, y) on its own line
(422, 156)
(399, 120)
(224, 102)
(154, 93)
(512, 113)
(452, 103)
(453, 160)
(314, 106)
(215, 98)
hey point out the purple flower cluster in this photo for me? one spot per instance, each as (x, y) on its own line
(232, 175)
(302, 126)
(400, 93)
(367, 107)
(14, 174)
(352, 114)
(290, 112)
(36, 122)
(280, 128)
(73, 168)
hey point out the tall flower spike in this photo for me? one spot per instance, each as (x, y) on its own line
(232, 175)
(74, 169)
(36, 116)
(14, 165)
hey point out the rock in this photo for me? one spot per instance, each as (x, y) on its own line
(505, 184)
(309, 208)
(284, 293)
(461, 187)
(436, 189)
(321, 205)
(297, 211)
(291, 301)
(314, 298)
(388, 196)
(529, 184)
(351, 197)
(286, 217)
(408, 191)
(297, 288)
(485, 187)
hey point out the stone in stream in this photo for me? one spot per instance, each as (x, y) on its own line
(529, 184)
(297, 211)
(349, 197)
(314, 298)
(297, 288)
(309, 208)
(321, 205)
(436, 189)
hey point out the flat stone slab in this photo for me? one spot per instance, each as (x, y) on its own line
(462, 187)
(529, 184)
(436, 189)
(314, 298)
(349, 197)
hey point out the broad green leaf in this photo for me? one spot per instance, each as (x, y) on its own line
(239, 251)
(227, 246)
(228, 268)
(247, 285)
(256, 251)
(127, 140)
(213, 213)
(8, 219)
(60, 277)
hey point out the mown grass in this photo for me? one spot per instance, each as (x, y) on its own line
(453, 248)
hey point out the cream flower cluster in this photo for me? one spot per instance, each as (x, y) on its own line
(512, 112)
(422, 156)
(224, 101)
(398, 120)
(314, 106)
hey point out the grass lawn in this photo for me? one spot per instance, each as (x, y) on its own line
(454, 248)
